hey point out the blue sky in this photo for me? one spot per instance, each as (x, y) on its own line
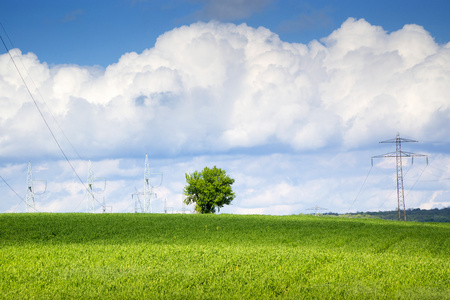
(289, 97)
(99, 32)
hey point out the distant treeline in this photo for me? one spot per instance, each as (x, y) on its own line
(415, 215)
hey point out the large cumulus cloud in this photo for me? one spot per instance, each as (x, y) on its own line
(213, 86)
(221, 88)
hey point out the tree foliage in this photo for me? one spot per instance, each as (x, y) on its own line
(208, 189)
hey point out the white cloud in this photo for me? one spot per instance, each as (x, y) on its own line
(271, 184)
(211, 89)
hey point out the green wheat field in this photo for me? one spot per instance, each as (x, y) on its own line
(168, 256)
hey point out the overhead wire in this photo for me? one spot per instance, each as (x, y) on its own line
(360, 189)
(434, 174)
(387, 198)
(10, 187)
(40, 95)
(416, 180)
(435, 180)
(43, 118)
(407, 171)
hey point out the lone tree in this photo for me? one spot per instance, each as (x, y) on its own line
(208, 189)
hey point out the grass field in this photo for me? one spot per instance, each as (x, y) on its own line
(138, 256)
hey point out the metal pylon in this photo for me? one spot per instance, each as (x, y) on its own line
(399, 154)
(146, 205)
(147, 188)
(316, 209)
(400, 189)
(90, 203)
(30, 191)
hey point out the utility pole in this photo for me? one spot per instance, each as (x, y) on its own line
(30, 190)
(399, 154)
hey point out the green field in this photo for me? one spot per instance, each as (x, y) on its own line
(146, 256)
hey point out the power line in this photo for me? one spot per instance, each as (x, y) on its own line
(435, 180)
(360, 189)
(40, 95)
(387, 198)
(43, 118)
(10, 187)
(417, 180)
(38, 108)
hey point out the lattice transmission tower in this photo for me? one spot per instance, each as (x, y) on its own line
(145, 206)
(30, 191)
(90, 201)
(399, 154)
(316, 209)
(147, 188)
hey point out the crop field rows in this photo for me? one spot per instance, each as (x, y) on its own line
(136, 256)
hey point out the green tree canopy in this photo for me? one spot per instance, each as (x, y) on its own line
(208, 189)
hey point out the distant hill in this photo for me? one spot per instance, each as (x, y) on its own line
(415, 215)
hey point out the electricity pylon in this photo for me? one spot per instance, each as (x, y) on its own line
(316, 209)
(167, 208)
(90, 203)
(146, 207)
(30, 191)
(138, 207)
(147, 188)
(399, 154)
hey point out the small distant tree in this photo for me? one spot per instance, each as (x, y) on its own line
(208, 189)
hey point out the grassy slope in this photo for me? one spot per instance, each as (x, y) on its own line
(221, 256)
